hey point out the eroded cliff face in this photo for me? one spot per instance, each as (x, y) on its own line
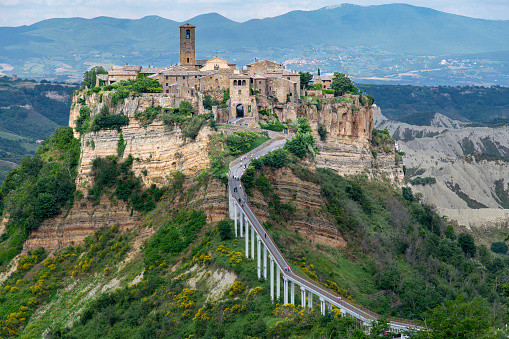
(157, 151)
(347, 149)
(309, 219)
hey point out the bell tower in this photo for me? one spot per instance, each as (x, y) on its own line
(187, 44)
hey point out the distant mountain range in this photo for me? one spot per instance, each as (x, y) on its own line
(355, 39)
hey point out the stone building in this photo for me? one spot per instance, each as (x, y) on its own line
(324, 80)
(262, 85)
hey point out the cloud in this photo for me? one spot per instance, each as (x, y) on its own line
(20, 12)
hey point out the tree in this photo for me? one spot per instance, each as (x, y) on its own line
(499, 247)
(341, 84)
(319, 71)
(185, 107)
(407, 194)
(90, 76)
(305, 78)
(466, 242)
(225, 229)
(459, 319)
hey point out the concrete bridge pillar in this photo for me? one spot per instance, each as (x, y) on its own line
(264, 261)
(292, 293)
(271, 278)
(310, 300)
(330, 306)
(259, 252)
(246, 234)
(322, 306)
(252, 241)
(302, 297)
(241, 222)
(278, 281)
(285, 290)
(235, 212)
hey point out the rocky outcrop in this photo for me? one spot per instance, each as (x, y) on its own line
(82, 220)
(157, 151)
(347, 149)
(309, 218)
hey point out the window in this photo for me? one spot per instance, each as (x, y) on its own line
(184, 77)
(217, 80)
(166, 84)
(243, 82)
(234, 82)
(167, 79)
(260, 82)
(167, 91)
(240, 92)
(196, 77)
(187, 60)
(188, 36)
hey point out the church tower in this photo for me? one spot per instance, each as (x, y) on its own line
(187, 43)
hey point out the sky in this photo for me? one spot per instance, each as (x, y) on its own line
(26, 12)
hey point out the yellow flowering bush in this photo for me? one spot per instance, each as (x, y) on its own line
(236, 288)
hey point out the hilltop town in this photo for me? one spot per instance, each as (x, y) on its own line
(260, 86)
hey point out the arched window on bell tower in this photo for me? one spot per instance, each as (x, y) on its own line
(188, 34)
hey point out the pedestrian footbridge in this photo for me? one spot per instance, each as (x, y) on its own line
(272, 264)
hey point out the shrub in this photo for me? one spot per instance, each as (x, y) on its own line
(322, 132)
(499, 247)
(225, 229)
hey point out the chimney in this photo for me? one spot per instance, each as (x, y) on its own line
(256, 60)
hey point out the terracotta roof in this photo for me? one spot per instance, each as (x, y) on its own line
(200, 62)
(152, 70)
(239, 76)
(102, 76)
(260, 61)
(187, 25)
(323, 78)
(132, 68)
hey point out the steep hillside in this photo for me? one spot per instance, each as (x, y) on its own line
(469, 165)
(177, 275)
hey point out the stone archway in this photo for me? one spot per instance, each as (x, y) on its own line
(240, 111)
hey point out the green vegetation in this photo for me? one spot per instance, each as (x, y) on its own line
(119, 181)
(499, 247)
(322, 132)
(397, 255)
(40, 188)
(105, 120)
(148, 115)
(423, 181)
(29, 111)
(226, 97)
(381, 140)
(90, 76)
(341, 84)
(305, 78)
(208, 102)
(417, 104)
(273, 125)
